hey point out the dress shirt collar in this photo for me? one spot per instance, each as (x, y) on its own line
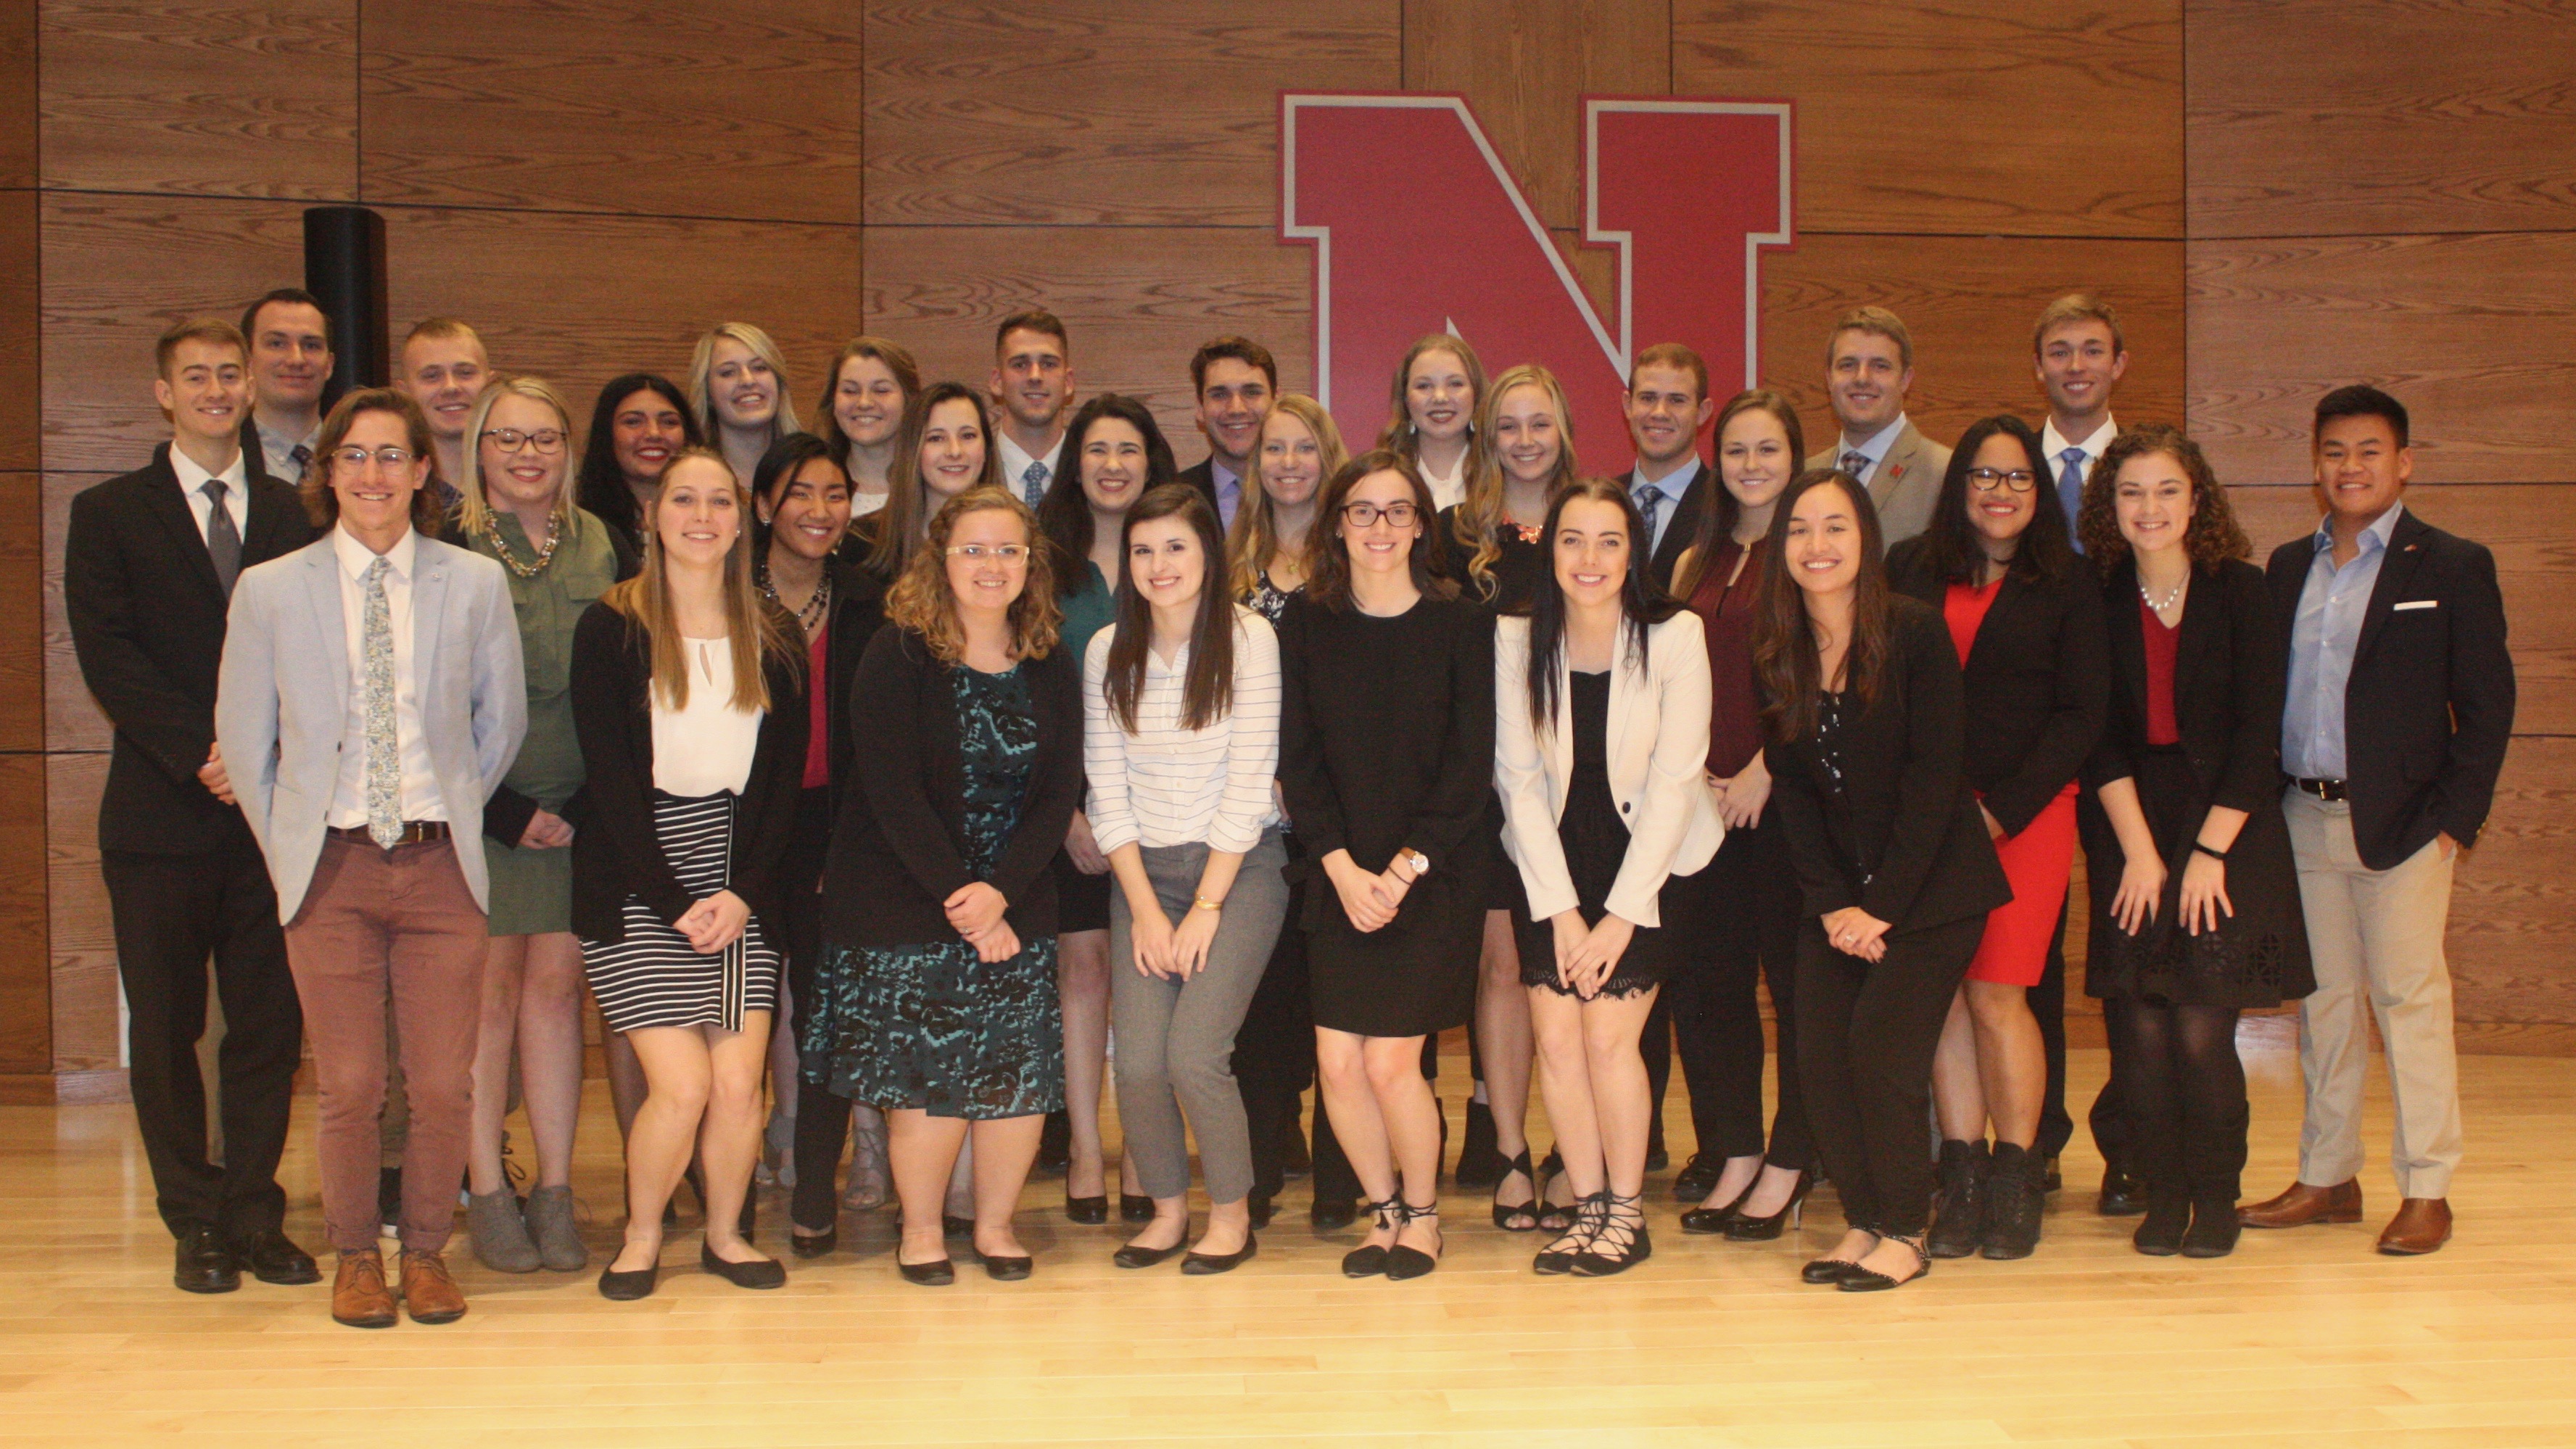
(1876, 447)
(1016, 459)
(2054, 443)
(355, 556)
(193, 476)
(2381, 530)
(1672, 484)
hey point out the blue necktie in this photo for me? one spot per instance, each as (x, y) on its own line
(2070, 490)
(1650, 501)
(1033, 483)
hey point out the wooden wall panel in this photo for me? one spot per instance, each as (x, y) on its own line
(22, 586)
(18, 97)
(1524, 67)
(1970, 302)
(72, 720)
(202, 98)
(1960, 116)
(26, 986)
(1107, 112)
(745, 109)
(21, 264)
(83, 941)
(2513, 908)
(2331, 117)
(2473, 333)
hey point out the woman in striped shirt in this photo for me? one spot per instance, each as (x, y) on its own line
(1180, 741)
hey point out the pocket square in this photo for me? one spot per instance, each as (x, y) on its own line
(2416, 604)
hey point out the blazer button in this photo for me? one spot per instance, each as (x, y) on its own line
(1623, 807)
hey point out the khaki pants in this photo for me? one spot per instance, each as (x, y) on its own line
(2374, 933)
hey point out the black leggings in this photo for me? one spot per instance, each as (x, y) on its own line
(1867, 1031)
(2185, 1091)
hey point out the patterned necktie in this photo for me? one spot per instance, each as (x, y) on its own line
(1033, 483)
(1855, 462)
(301, 456)
(1650, 501)
(223, 540)
(384, 749)
(2070, 489)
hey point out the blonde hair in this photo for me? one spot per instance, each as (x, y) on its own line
(1479, 519)
(702, 364)
(922, 602)
(1255, 536)
(1877, 322)
(755, 629)
(473, 510)
(2077, 307)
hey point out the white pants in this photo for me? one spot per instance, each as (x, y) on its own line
(2378, 931)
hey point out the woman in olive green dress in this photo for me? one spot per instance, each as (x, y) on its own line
(516, 507)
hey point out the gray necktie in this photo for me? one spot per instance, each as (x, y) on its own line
(1650, 501)
(223, 541)
(1033, 483)
(2070, 489)
(1855, 462)
(384, 747)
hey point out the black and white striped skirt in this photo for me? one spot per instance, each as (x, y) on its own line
(655, 977)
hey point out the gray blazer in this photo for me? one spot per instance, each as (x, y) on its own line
(1906, 485)
(281, 701)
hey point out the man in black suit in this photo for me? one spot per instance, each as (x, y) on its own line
(290, 369)
(1233, 380)
(2393, 730)
(148, 564)
(1668, 408)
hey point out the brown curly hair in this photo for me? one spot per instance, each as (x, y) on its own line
(921, 600)
(2213, 533)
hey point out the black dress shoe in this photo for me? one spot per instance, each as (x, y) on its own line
(2214, 1227)
(2160, 1234)
(937, 1273)
(1090, 1211)
(761, 1273)
(1202, 1265)
(814, 1245)
(1258, 1205)
(1698, 1177)
(1131, 1256)
(1005, 1268)
(1332, 1214)
(1134, 1209)
(205, 1263)
(1827, 1270)
(628, 1286)
(272, 1257)
(2123, 1196)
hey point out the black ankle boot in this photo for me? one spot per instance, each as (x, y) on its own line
(2168, 1218)
(1958, 1222)
(2213, 1226)
(2014, 1196)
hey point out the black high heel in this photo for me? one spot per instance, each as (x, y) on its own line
(1518, 1217)
(1552, 1217)
(1403, 1262)
(1369, 1260)
(1627, 1239)
(1744, 1228)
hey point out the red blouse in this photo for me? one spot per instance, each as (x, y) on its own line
(2161, 642)
(1965, 606)
(818, 738)
(1735, 719)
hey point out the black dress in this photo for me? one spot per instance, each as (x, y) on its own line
(1596, 843)
(1517, 574)
(1387, 741)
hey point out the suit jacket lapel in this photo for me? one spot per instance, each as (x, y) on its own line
(2013, 595)
(330, 619)
(2396, 572)
(428, 603)
(2128, 640)
(267, 509)
(171, 507)
(1903, 457)
(1684, 523)
(2201, 609)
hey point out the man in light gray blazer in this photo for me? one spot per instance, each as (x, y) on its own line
(370, 700)
(1869, 368)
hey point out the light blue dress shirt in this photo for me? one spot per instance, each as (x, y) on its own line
(2322, 641)
(1670, 488)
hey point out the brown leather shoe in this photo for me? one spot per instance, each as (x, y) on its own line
(428, 1292)
(2303, 1205)
(359, 1297)
(2422, 1225)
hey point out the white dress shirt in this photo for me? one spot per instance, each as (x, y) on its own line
(705, 747)
(277, 450)
(192, 487)
(419, 796)
(1016, 461)
(1448, 490)
(1875, 449)
(1164, 785)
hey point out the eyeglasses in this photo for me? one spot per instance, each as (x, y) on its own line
(1009, 553)
(1986, 480)
(354, 459)
(1366, 515)
(511, 440)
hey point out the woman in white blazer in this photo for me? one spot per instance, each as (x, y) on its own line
(1601, 698)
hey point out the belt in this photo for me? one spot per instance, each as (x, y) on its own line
(414, 832)
(2325, 789)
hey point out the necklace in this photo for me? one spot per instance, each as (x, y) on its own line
(545, 553)
(2169, 600)
(815, 607)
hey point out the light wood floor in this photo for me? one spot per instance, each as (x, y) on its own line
(2302, 1338)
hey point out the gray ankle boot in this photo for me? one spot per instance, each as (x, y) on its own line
(558, 1237)
(500, 1239)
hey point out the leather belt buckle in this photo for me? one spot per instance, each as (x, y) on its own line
(2328, 790)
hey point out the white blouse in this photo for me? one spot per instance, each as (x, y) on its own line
(1446, 491)
(706, 748)
(1164, 785)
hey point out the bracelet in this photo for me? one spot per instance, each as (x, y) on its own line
(2217, 855)
(1202, 903)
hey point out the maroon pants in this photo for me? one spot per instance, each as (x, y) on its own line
(399, 924)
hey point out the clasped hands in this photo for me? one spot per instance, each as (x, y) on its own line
(1586, 955)
(975, 911)
(1370, 900)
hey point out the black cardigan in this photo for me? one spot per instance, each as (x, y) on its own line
(1904, 841)
(858, 611)
(899, 840)
(615, 853)
(2038, 683)
(2228, 680)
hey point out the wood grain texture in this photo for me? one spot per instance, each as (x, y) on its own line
(2473, 333)
(1137, 302)
(21, 264)
(1970, 303)
(1960, 116)
(2512, 943)
(1112, 112)
(2311, 117)
(72, 719)
(18, 126)
(203, 98)
(26, 970)
(81, 940)
(747, 109)
(22, 612)
(1524, 67)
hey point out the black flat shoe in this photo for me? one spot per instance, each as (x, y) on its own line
(937, 1273)
(1824, 1271)
(205, 1264)
(1134, 1209)
(1369, 1260)
(1205, 1265)
(1404, 1263)
(1618, 1242)
(764, 1273)
(1332, 1214)
(1088, 1211)
(814, 1245)
(1005, 1268)
(2161, 1232)
(1131, 1256)
(2214, 1229)
(628, 1286)
(272, 1257)
(1870, 1280)
(1557, 1258)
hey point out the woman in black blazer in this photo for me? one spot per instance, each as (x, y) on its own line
(2196, 911)
(2026, 618)
(937, 993)
(1867, 722)
(688, 698)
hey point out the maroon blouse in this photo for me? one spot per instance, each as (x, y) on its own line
(2161, 644)
(1735, 718)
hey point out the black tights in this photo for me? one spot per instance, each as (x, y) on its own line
(2186, 1096)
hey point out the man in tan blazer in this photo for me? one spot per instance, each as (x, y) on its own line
(1869, 367)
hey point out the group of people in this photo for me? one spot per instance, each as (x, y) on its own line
(869, 777)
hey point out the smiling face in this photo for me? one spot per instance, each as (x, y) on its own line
(1166, 562)
(1665, 414)
(698, 513)
(1438, 397)
(741, 385)
(290, 354)
(952, 449)
(1868, 379)
(1233, 399)
(809, 514)
(2153, 500)
(1113, 464)
(867, 401)
(1529, 436)
(532, 474)
(1031, 378)
(206, 390)
(1754, 458)
(984, 581)
(1823, 544)
(644, 431)
(2001, 505)
(2361, 470)
(444, 375)
(1591, 551)
(375, 496)
(2078, 365)
(1383, 545)
(1292, 462)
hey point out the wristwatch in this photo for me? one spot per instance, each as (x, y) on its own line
(1421, 863)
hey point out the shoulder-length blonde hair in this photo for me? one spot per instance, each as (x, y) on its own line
(474, 510)
(922, 602)
(755, 629)
(2212, 534)
(1479, 518)
(703, 362)
(1255, 536)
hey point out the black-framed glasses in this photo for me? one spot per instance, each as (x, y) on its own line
(354, 458)
(1987, 480)
(511, 440)
(1366, 515)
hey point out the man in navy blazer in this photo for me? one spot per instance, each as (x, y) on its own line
(2393, 730)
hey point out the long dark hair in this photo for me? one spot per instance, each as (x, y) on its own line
(1064, 514)
(1717, 521)
(601, 487)
(769, 478)
(897, 529)
(1207, 691)
(1328, 575)
(1641, 604)
(1784, 644)
(1951, 549)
